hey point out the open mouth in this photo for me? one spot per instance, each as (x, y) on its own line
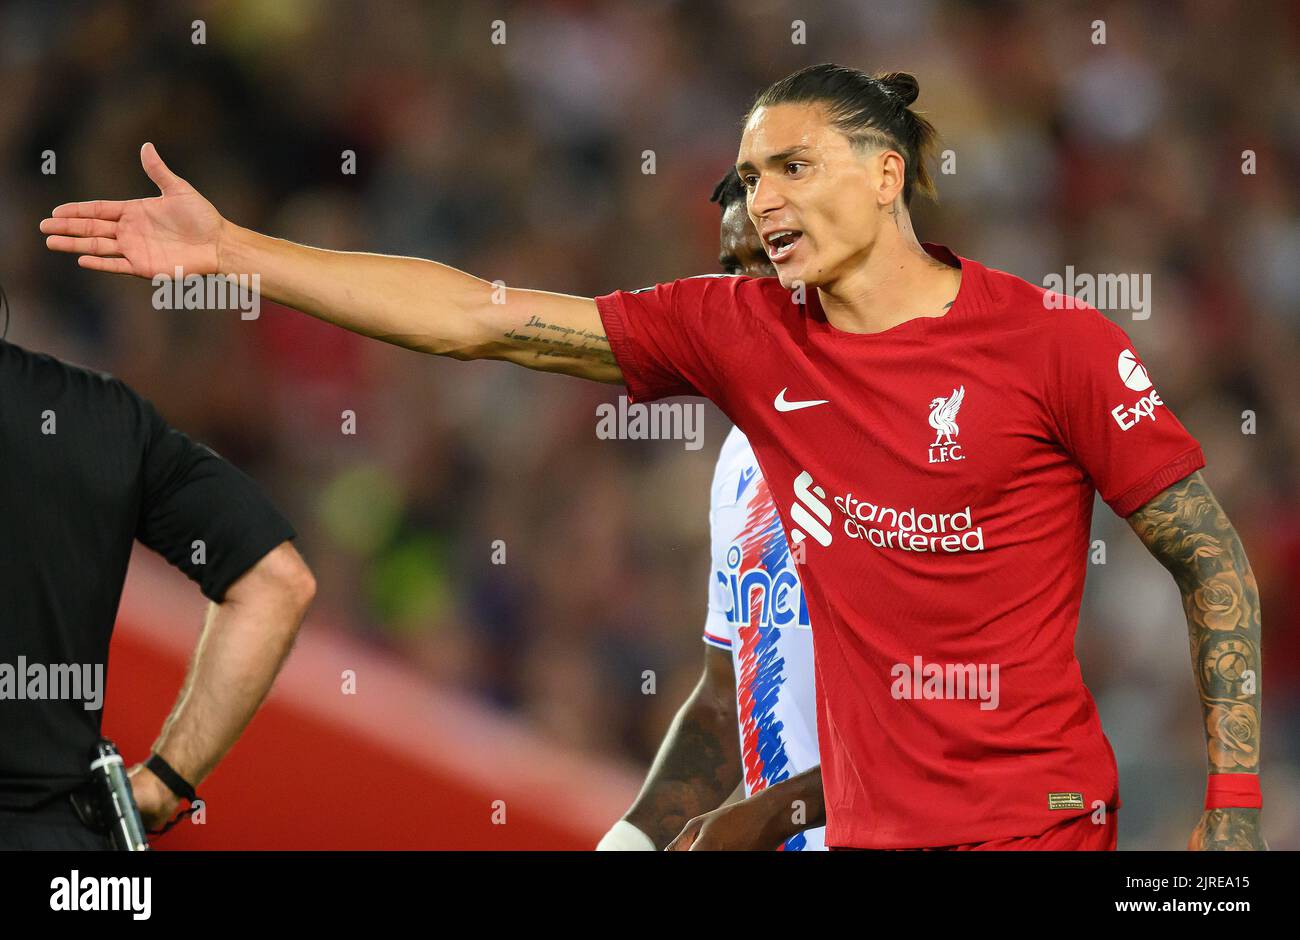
(781, 243)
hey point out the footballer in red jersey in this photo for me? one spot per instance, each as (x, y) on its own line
(935, 431)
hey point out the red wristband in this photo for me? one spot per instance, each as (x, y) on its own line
(1233, 790)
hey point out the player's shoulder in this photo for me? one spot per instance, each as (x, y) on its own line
(743, 290)
(736, 461)
(735, 448)
(1044, 317)
(765, 290)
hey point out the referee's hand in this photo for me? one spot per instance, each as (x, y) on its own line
(157, 804)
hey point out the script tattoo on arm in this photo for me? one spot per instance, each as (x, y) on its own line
(1187, 531)
(549, 340)
(539, 330)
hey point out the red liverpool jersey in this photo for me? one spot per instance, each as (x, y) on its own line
(936, 481)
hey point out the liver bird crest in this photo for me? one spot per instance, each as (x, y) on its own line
(943, 416)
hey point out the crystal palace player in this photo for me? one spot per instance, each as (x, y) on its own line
(758, 663)
(934, 434)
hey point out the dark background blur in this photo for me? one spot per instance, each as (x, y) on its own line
(523, 162)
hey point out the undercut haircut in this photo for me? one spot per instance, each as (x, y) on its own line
(874, 112)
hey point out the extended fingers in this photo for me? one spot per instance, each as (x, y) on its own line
(686, 838)
(98, 209)
(81, 227)
(96, 245)
(111, 265)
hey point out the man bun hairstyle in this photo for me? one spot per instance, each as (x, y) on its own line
(902, 84)
(874, 112)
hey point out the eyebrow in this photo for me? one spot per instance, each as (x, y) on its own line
(774, 158)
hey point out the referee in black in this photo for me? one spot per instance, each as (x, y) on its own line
(87, 467)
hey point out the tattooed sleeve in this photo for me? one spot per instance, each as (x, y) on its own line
(698, 763)
(1186, 529)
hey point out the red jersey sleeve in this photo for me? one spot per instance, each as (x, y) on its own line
(1110, 416)
(677, 338)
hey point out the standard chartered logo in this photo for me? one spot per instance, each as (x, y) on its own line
(809, 511)
(910, 530)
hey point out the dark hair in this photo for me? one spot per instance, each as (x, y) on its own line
(873, 112)
(730, 190)
(4, 305)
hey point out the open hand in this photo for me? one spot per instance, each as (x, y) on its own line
(144, 237)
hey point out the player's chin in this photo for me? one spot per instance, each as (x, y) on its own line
(793, 274)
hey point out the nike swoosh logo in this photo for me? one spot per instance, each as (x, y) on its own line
(783, 405)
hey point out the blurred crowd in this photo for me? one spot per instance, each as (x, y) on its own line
(1171, 148)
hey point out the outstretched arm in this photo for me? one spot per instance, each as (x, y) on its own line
(1187, 531)
(422, 305)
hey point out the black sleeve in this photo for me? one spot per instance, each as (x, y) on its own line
(192, 495)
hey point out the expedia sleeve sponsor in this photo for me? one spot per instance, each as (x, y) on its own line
(1110, 416)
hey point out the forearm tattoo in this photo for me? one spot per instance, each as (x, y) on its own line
(697, 769)
(1187, 530)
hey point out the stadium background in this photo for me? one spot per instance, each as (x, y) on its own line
(523, 162)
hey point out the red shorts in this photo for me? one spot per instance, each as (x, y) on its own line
(1078, 834)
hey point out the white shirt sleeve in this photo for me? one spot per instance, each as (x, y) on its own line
(718, 630)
